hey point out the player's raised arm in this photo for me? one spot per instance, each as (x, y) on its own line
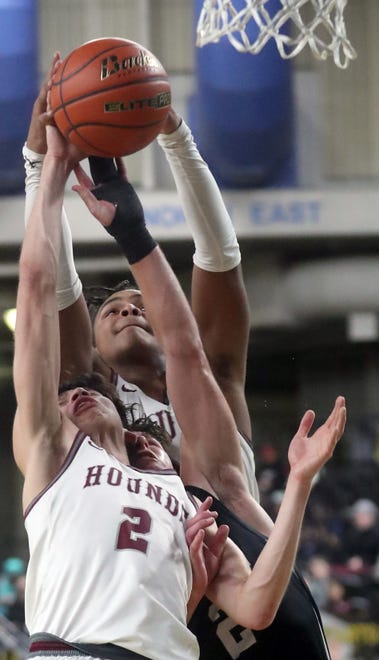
(75, 326)
(253, 599)
(218, 296)
(36, 359)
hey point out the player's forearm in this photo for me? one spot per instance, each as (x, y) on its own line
(217, 286)
(252, 597)
(271, 573)
(44, 222)
(216, 246)
(69, 286)
(36, 364)
(76, 355)
(166, 305)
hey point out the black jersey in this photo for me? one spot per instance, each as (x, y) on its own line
(296, 632)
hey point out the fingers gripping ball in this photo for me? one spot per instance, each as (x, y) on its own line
(110, 97)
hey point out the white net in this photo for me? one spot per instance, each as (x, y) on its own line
(318, 23)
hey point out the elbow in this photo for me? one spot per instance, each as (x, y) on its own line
(263, 620)
(258, 617)
(35, 274)
(29, 272)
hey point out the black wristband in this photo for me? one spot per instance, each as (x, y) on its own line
(128, 226)
(102, 169)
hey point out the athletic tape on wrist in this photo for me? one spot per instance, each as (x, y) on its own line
(102, 169)
(128, 226)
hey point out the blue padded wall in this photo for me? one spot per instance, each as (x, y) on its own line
(18, 86)
(242, 111)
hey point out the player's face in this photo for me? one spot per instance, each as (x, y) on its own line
(87, 408)
(121, 329)
(145, 452)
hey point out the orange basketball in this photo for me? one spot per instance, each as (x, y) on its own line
(110, 97)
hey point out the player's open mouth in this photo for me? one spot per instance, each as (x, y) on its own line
(83, 404)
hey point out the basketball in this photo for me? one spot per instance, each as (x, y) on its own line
(110, 97)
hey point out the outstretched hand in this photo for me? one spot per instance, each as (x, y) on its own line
(307, 454)
(205, 550)
(43, 135)
(110, 197)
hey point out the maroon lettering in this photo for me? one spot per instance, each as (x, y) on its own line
(166, 421)
(172, 505)
(133, 485)
(96, 476)
(154, 492)
(114, 477)
(93, 475)
(184, 514)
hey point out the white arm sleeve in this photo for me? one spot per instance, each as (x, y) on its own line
(216, 245)
(69, 286)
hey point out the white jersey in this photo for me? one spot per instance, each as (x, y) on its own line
(109, 562)
(159, 412)
(164, 415)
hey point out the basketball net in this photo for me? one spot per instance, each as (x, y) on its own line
(324, 31)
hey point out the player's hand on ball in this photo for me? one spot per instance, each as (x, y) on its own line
(36, 138)
(59, 147)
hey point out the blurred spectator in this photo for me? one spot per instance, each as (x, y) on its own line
(321, 531)
(334, 594)
(337, 602)
(16, 611)
(360, 546)
(271, 470)
(272, 503)
(318, 577)
(12, 568)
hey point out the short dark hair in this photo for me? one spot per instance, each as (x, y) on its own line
(97, 382)
(96, 295)
(128, 415)
(147, 425)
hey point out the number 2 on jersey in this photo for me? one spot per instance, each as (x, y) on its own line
(133, 529)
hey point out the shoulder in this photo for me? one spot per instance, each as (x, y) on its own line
(45, 458)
